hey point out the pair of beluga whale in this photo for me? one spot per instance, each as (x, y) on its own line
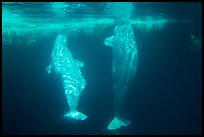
(124, 64)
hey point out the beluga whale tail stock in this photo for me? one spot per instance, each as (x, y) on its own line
(124, 64)
(68, 69)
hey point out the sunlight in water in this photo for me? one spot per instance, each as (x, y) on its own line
(18, 21)
(120, 10)
(59, 7)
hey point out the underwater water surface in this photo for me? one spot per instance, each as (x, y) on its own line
(165, 96)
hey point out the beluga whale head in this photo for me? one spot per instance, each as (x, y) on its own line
(61, 40)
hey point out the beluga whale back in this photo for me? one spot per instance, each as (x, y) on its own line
(124, 64)
(68, 69)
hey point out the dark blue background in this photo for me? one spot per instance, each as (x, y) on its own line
(166, 97)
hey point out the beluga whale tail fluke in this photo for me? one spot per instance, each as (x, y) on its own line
(117, 122)
(76, 115)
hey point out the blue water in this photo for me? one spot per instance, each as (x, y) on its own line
(165, 97)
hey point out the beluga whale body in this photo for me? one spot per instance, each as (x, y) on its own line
(68, 69)
(124, 64)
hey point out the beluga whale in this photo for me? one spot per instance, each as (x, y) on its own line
(124, 65)
(68, 69)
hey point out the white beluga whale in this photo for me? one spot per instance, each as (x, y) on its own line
(124, 64)
(68, 69)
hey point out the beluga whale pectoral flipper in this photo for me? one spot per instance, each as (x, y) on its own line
(68, 69)
(124, 64)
